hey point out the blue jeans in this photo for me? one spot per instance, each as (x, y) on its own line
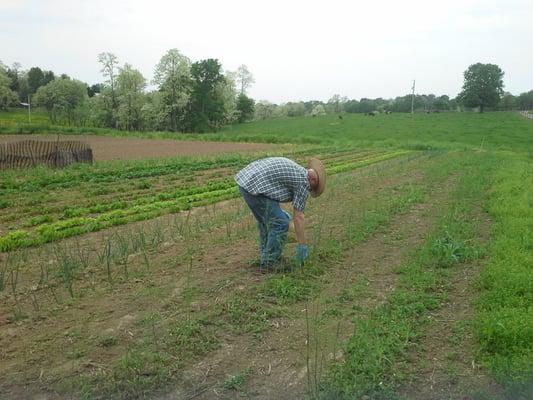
(273, 224)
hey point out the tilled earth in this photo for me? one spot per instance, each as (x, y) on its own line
(39, 353)
(116, 148)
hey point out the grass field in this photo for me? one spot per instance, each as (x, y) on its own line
(451, 131)
(132, 279)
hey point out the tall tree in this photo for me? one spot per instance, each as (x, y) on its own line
(483, 86)
(265, 109)
(14, 73)
(109, 69)
(228, 92)
(246, 107)
(35, 79)
(130, 95)
(64, 100)
(244, 78)
(525, 100)
(173, 78)
(507, 102)
(94, 89)
(336, 103)
(207, 105)
(442, 103)
(7, 96)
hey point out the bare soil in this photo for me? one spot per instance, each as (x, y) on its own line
(277, 364)
(116, 148)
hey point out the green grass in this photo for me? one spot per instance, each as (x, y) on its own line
(16, 117)
(498, 130)
(504, 319)
(489, 131)
(380, 340)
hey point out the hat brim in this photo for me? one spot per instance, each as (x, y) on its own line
(316, 164)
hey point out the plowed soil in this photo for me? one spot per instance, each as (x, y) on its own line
(116, 148)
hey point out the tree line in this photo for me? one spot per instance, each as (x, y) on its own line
(189, 96)
(482, 90)
(200, 96)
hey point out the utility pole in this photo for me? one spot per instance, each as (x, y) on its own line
(413, 98)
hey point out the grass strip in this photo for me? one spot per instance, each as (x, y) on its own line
(381, 340)
(504, 314)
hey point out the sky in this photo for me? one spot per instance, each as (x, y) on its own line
(296, 50)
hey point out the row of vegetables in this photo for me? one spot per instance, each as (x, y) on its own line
(100, 213)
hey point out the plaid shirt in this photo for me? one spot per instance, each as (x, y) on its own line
(277, 178)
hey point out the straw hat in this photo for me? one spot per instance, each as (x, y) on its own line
(316, 164)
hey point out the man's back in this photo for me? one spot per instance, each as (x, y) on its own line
(277, 178)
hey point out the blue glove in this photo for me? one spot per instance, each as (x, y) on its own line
(302, 252)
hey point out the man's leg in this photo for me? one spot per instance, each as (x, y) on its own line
(277, 230)
(258, 206)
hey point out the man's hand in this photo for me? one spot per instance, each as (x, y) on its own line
(302, 253)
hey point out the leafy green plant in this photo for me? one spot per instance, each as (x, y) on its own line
(237, 381)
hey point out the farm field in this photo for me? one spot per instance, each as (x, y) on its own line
(495, 131)
(106, 148)
(134, 278)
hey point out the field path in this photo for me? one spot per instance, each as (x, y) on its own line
(442, 363)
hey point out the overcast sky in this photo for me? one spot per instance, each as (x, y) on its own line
(296, 50)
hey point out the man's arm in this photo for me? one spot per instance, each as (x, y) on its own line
(299, 226)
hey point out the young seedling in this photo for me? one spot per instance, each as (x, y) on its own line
(14, 276)
(142, 240)
(3, 271)
(67, 265)
(83, 254)
(123, 252)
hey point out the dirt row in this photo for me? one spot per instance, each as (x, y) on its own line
(116, 148)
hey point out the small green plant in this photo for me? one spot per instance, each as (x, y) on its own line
(192, 337)
(4, 270)
(108, 341)
(448, 251)
(144, 184)
(107, 257)
(237, 381)
(68, 266)
(123, 245)
(288, 289)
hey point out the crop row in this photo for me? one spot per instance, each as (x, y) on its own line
(79, 220)
(95, 198)
(110, 172)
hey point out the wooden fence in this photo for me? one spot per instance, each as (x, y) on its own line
(29, 153)
(527, 114)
